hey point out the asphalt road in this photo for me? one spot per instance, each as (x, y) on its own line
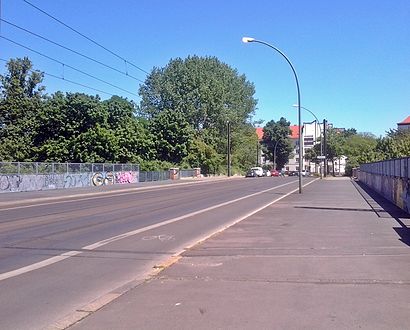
(58, 254)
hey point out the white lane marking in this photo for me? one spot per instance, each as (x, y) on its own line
(241, 218)
(96, 245)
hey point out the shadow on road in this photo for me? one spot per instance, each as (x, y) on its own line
(385, 209)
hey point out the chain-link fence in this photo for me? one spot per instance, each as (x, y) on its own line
(61, 168)
(154, 176)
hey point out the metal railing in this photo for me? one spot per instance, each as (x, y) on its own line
(399, 167)
(190, 173)
(61, 168)
(154, 176)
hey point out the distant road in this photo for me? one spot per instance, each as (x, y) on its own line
(58, 255)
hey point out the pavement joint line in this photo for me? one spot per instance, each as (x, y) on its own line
(63, 256)
(81, 314)
(95, 194)
(318, 281)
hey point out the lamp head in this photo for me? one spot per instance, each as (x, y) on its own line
(295, 105)
(247, 39)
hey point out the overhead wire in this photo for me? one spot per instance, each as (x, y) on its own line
(68, 80)
(71, 50)
(84, 36)
(68, 66)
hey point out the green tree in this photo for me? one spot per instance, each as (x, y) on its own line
(206, 93)
(276, 141)
(396, 144)
(21, 98)
(173, 135)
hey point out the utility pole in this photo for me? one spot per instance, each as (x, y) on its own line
(229, 147)
(257, 153)
(325, 146)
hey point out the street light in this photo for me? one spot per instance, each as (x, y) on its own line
(228, 151)
(248, 39)
(321, 136)
(274, 154)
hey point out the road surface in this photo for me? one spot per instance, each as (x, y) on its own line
(57, 255)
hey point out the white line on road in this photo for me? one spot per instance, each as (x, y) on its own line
(96, 245)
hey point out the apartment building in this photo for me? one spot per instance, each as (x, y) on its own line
(312, 133)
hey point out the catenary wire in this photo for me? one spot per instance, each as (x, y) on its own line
(84, 36)
(68, 80)
(68, 66)
(69, 49)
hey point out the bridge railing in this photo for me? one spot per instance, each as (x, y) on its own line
(399, 167)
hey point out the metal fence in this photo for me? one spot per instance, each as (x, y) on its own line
(394, 167)
(190, 173)
(154, 176)
(61, 168)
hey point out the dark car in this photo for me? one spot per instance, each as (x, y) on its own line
(251, 174)
(293, 173)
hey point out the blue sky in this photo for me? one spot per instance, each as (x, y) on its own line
(352, 57)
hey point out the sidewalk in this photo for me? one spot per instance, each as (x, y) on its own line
(330, 258)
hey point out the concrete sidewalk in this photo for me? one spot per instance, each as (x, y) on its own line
(330, 258)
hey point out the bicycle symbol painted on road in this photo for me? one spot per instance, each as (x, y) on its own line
(162, 238)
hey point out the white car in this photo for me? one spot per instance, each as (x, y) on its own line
(257, 170)
(305, 173)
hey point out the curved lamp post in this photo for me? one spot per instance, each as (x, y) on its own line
(274, 154)
(248, 39)
(321, 135)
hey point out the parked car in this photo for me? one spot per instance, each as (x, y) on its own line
(293, 173)
(305, 173)
(274, 173)
(251, 174)
(258, 170)
(267, 173)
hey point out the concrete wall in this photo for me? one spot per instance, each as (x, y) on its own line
(395, 189)
(29, 182)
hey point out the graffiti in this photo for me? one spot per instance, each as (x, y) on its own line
(102, 178)
(32, 182)
(52, 181)
(405, 196)
(76, 180)
(10, 182)
(125, 177)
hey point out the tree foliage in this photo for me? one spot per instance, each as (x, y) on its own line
(201, 94)
(181, 119)
(276, 141)
(20, 100)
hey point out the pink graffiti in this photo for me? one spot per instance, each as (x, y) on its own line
(125, 177)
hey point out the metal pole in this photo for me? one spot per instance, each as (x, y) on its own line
(229, 147)
(246, 39)
(324, 148)
(274, 155)
(321, 137)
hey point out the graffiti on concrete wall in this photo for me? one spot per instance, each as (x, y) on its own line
(405, 197)
(125, 177)
(30, 182)
(102, 179)
(10, 182)
(76, 180)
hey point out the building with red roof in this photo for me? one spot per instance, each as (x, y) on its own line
(405, 124)
(295, 131)
(259, 133)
